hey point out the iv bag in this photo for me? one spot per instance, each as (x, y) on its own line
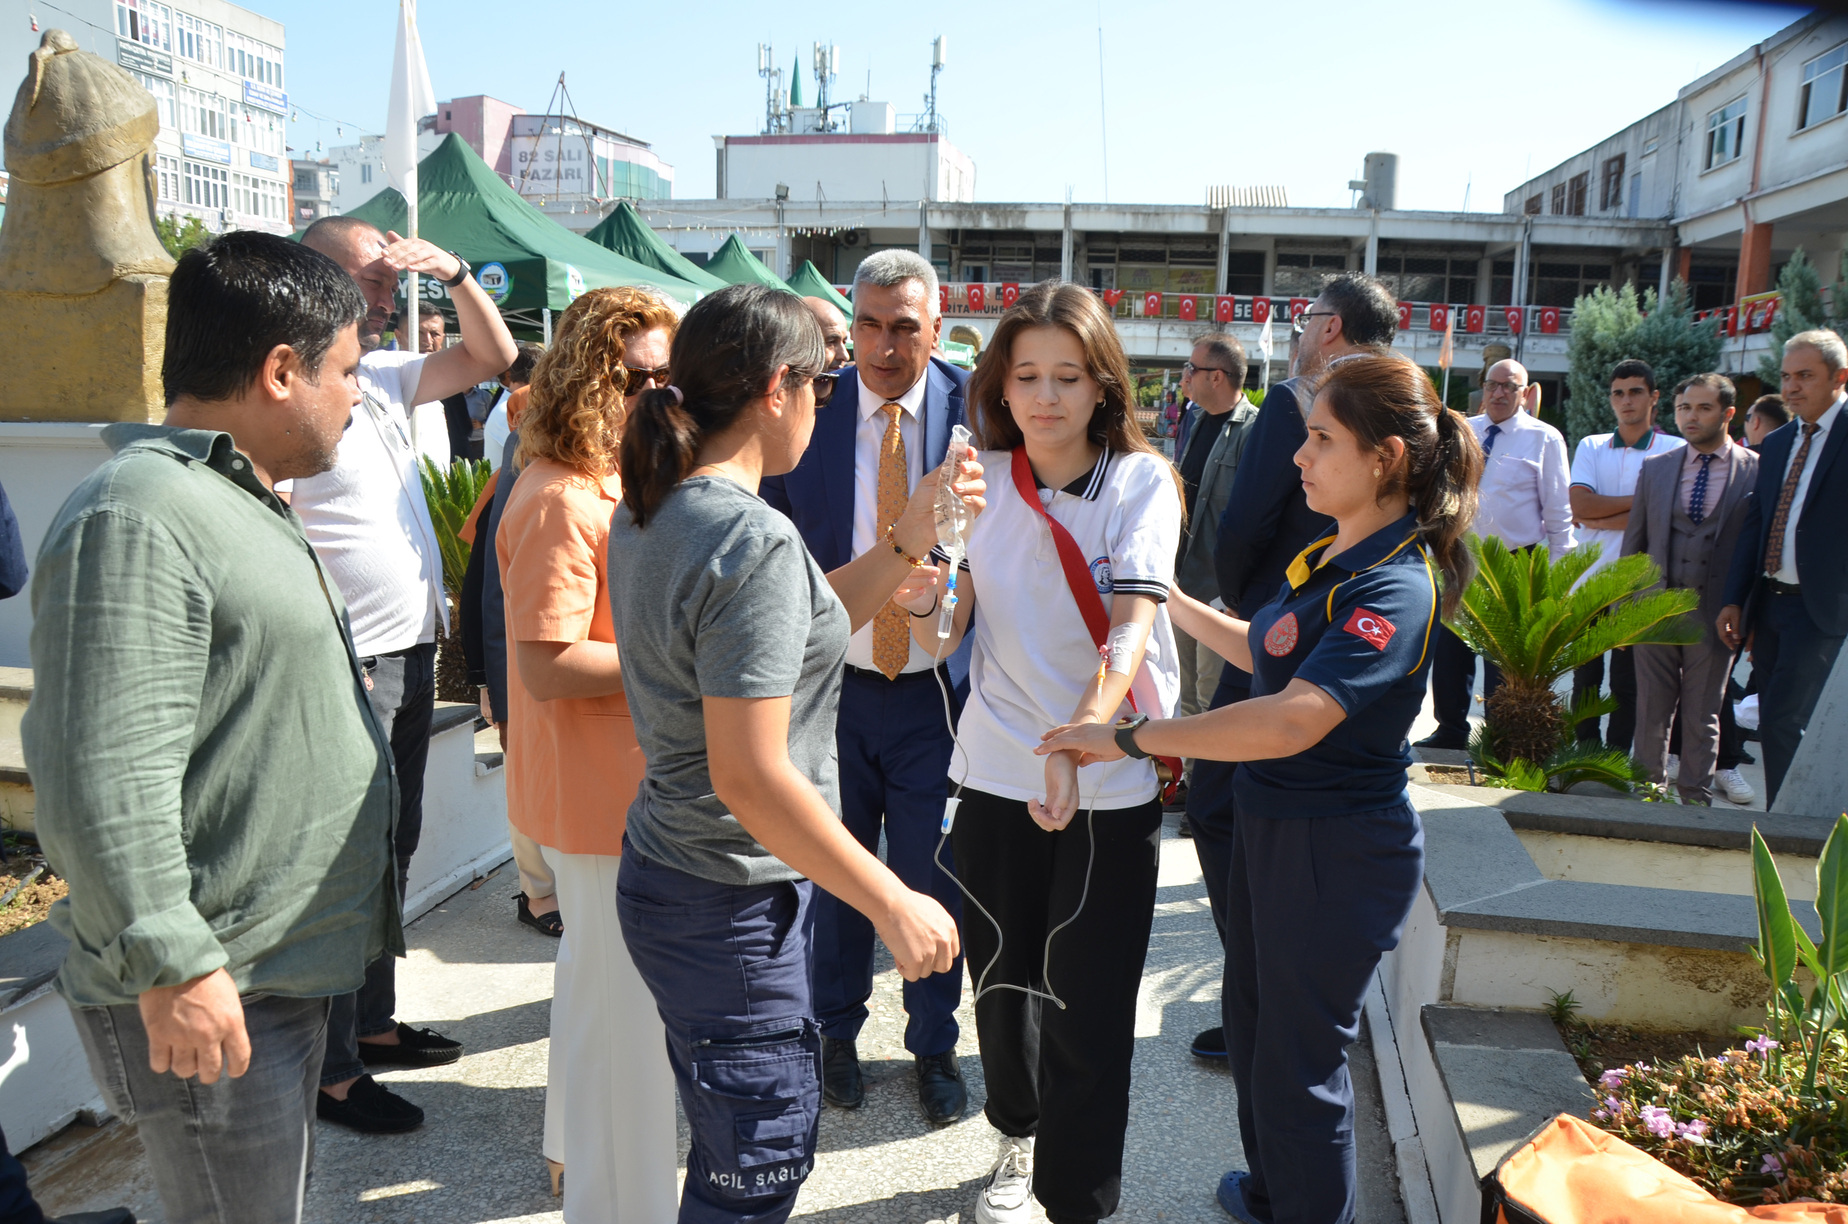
(953, 521)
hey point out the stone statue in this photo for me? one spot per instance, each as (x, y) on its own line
(83, 275)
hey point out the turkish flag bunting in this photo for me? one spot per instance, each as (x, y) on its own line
(1515, 316)
(943, 298)
(1010, 293)
(1190, 307)
(978, 297)
(1151, 305)
(1475, 318)
(1771, 310)
(1405, 316)
(1549, 320)
(1260, 310)
(1297, 306)
(1224, 308)
(1440, 316)
(1112, 297)
(1732, 320)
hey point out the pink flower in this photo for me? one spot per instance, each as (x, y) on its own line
(1614, 1105)
(1695, 1131)
(1659, 1121)
(1772, 1165)
(1613, 1078)
(1761, 1045)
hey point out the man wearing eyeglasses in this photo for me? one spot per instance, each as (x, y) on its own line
(1604, 472)
(886, 426)
(1210, 444)
(1265, 524)
(1524, 502)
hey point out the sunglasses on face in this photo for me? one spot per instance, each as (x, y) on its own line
(824, 388)
(636, 381)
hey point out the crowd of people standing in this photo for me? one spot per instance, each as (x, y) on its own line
(704, 609)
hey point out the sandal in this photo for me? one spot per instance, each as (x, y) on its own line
(552, 924)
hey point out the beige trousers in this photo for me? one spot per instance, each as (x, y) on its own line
(535, 877)
(609, 1095)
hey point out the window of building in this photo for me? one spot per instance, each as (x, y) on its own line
(1825, 88)
(203, 114)
(1559, 198)
(167, 177)
(1533, 205)
(1303, 275)
(206, 186)
(1245, 273)
(1726, 134)
(196, 39)
(1610, 188)
(162, 89)
(365, 172)
(1636, 193)
(1561, 282)
(257, 197)
(145, 22)
(255, 129)
(1713, 285)
(1577, 188)
(1651, 145)
(255, 60)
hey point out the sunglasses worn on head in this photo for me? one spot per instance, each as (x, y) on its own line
(637, 381)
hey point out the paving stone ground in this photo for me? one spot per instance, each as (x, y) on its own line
(475, 974)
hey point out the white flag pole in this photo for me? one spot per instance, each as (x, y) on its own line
(411, 99)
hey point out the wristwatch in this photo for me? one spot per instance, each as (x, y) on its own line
(462, 271)
(1126, 736)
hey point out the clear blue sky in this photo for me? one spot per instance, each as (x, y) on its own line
(1467, 92)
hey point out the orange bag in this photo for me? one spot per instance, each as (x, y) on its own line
(1571, 1172)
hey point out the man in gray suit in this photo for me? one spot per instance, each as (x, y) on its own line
(1689, 507)
(1207, 449)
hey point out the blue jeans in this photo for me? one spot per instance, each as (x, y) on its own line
(403, 695)
(234, 1152)
(17, 1206)
(728, 966)
(1792, 659)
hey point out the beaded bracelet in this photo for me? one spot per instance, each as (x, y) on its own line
(892, 539)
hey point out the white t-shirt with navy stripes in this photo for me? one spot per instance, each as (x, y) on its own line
(1034, 656)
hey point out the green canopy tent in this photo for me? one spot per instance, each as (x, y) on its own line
(735, 265)
(625, 233)
(809, 282)
(467, 208)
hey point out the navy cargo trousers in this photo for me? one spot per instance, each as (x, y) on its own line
(728, 966)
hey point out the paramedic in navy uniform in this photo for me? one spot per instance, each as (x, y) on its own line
(887, 428)
(1327, 852)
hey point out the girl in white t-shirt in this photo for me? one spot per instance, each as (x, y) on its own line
(1051, 410)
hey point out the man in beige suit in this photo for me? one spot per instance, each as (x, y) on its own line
(1688, 509)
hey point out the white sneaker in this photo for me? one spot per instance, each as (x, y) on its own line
(1732, 784)
(1672, 769)
(1007, 1198)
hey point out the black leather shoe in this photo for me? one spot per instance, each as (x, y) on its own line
(415, 1048)
(117, 1215)
(1440, 740)
(369, 1108)
(940, 1087)
(1209, 1044)
(842, 1085)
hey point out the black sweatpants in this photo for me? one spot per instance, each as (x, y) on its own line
(1620, 732)
(1060, 1075)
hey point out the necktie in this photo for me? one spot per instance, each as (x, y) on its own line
(891, 627)
(1697, 496)
(1774, 547)
(1488, 442)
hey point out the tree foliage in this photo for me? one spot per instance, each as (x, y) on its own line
(1612, 325)
(180, 238)
(1800, 309)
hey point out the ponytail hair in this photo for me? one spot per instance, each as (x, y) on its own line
(1386, 396)
(728, 348)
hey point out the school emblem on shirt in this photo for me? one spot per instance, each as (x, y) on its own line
(1281, 639)
(1100, 574)
(1370, 627)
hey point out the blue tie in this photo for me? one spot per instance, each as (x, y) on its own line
(1488, 442)
(1697, 497)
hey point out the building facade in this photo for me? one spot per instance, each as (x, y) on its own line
(316, 185)
(217, 75)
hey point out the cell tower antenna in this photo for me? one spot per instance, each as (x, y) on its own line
(939, 57)
(776, 106)
(827, 63)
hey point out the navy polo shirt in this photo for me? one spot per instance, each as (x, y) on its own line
(1359, 627)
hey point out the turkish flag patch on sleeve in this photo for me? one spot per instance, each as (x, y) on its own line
(1371, 627)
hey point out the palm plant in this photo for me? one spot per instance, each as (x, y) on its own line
(451, 496)
(1538, 621)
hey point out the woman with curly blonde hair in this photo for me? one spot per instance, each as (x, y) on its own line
(572, 760)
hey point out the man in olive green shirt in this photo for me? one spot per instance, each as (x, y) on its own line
(210, 777)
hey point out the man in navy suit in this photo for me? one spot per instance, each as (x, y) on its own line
(1789, 582)
(887, 426)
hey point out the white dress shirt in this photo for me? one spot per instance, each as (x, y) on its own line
(868, 531)
(1787, 571)
(1523, 498)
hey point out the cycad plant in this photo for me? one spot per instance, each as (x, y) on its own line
(452, 495)
(1537, 621)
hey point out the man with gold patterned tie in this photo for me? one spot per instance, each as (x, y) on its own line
(887, 426)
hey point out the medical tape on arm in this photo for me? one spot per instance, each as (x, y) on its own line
(1121, 647)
